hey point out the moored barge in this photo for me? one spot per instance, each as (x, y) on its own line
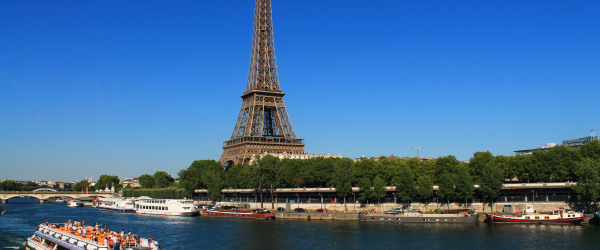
(236, 212)
(417, 217)
(531, 216)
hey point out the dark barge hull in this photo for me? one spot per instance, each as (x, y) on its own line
(265, 216)
(418, 219)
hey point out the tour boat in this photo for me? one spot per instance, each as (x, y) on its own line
(531, 216)
(74, 203)
(236, 212)
(178, 207)
(74, 235)
(124, 205)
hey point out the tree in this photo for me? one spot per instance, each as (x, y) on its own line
(405, 185)
(213, 180)
(590, 150)
(342, 178)
(379, 190)
(81, 186)
(163, 179)
(424, 187)
(366, 192)
(491, 182)
(146, 181)
(479, 160)
(267, 168)
(108, 181)
(191, 178)
(464, 185)
(446, 184)
(588, 177)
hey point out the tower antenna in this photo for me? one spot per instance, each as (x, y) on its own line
(418, 149)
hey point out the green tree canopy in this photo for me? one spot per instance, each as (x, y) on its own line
(588, 177)
(146, 181)
(163, 179)
(108, 181)
(424, 187)
(446, 184)
(491, 181)
(479, 160)
(464, 185)
(342, 178)
(379, 190)
(81, 186)
(405, 185)
(191, 178)
(591, 150)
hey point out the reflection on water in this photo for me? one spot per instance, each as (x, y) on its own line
(197, 232)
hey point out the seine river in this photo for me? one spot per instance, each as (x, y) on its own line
(197, 232)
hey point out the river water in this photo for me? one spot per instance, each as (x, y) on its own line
(197, 232)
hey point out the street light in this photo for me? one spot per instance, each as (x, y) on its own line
(321, 200)
(354, 200)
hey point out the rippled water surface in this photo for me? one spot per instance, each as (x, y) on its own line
(196, 232)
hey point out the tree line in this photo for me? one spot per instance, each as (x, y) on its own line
(413, 178)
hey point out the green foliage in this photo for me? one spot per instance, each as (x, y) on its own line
(446, 184)
(588, 177)
(379, 190)
(10, 185)
(366, 192)
(590, 150)
(163, 179)
(213, 179)
(405, 185)
(424, 187)
(194, 178)
(479, 160)
(108, 181)
(157, 193)
(146, 181)
(82, 185)
(464, 185)
(491, 181)
(342, 177)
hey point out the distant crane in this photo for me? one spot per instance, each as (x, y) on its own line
(418, 149)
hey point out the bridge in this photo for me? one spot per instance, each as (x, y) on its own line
(46, 194)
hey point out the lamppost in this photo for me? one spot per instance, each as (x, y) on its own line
(354, 200)
(321, 200)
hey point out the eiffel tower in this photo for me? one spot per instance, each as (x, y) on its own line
(263, 124)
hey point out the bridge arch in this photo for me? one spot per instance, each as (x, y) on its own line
(46, 195)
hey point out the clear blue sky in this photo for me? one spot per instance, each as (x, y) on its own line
(132, 87)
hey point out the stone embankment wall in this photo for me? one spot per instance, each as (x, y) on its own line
(353, 208)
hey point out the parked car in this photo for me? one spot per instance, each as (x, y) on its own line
(394, 211)
(320, 210)
(280, 209)
(300, 210)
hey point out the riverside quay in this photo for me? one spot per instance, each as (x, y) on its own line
(519, 192)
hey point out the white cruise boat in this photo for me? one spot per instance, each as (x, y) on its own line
(75, 203)
(178, 207)
(124, 205)
(67, 236)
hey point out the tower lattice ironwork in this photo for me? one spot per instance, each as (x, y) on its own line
(263, 124)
